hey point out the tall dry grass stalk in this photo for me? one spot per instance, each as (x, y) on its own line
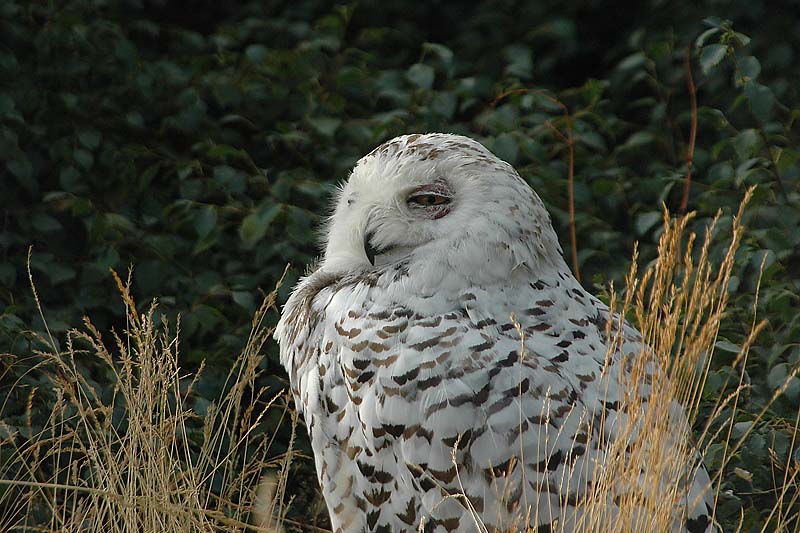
(678, 304)
(128, 461)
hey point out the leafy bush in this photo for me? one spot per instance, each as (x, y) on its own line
(199, 142)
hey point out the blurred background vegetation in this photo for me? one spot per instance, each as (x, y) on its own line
(199, 141)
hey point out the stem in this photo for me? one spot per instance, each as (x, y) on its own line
(568, 140)
(571, 188)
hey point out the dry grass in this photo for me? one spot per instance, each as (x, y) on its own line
(678, 304)
(128, 461)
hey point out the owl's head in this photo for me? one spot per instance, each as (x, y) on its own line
(442, 197)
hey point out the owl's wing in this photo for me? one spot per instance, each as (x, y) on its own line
(458, 417)
(394, 401)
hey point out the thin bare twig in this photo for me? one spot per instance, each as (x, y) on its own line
(568, 140)
(571, 187)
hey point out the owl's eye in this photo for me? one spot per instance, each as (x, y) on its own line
(428, 200)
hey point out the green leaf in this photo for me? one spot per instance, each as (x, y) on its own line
(727, 346)
(633, 61)
(83, 157)
(230, 179)
(701, 40)
(224, 152)
(6, 105)
(721, 172)
(787, 159)
(255, 225)
(750, 67)
(244, 299)
(646, 221)
(520, 61)
(119, 222)
(205, 220)
(89, 138)
(711, 55)
(207, 317)
(148, 176)
(714, 453)
(761, 100)
(70, 100)
(58, 273)
(714, 22)
(592, 91)
(421, 75)
(545, 102)
(780, 376)
(442, 53)
(70, 180)
(45, 223)
(8, 61)
(325, 126)
(444, 103)
(505, 147)
(134, 119)
(256, 53)
(206, 242)
(747, 143)
(593, 140)
(740, 428)
(7, 275)
(638, 139)
(23, 171)
(107, 258)
(439, 50)
(9, 144)
(743, 39)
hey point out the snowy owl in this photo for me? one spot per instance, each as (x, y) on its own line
(452, 373)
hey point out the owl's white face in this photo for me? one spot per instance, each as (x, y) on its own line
(431, 196)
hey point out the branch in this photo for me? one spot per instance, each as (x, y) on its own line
(568, 140)
(571, 187)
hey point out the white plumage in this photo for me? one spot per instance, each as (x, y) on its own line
(403, 355)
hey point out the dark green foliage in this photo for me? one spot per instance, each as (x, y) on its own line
(199, 141)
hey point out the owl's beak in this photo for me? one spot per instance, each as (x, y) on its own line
(368, 248)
